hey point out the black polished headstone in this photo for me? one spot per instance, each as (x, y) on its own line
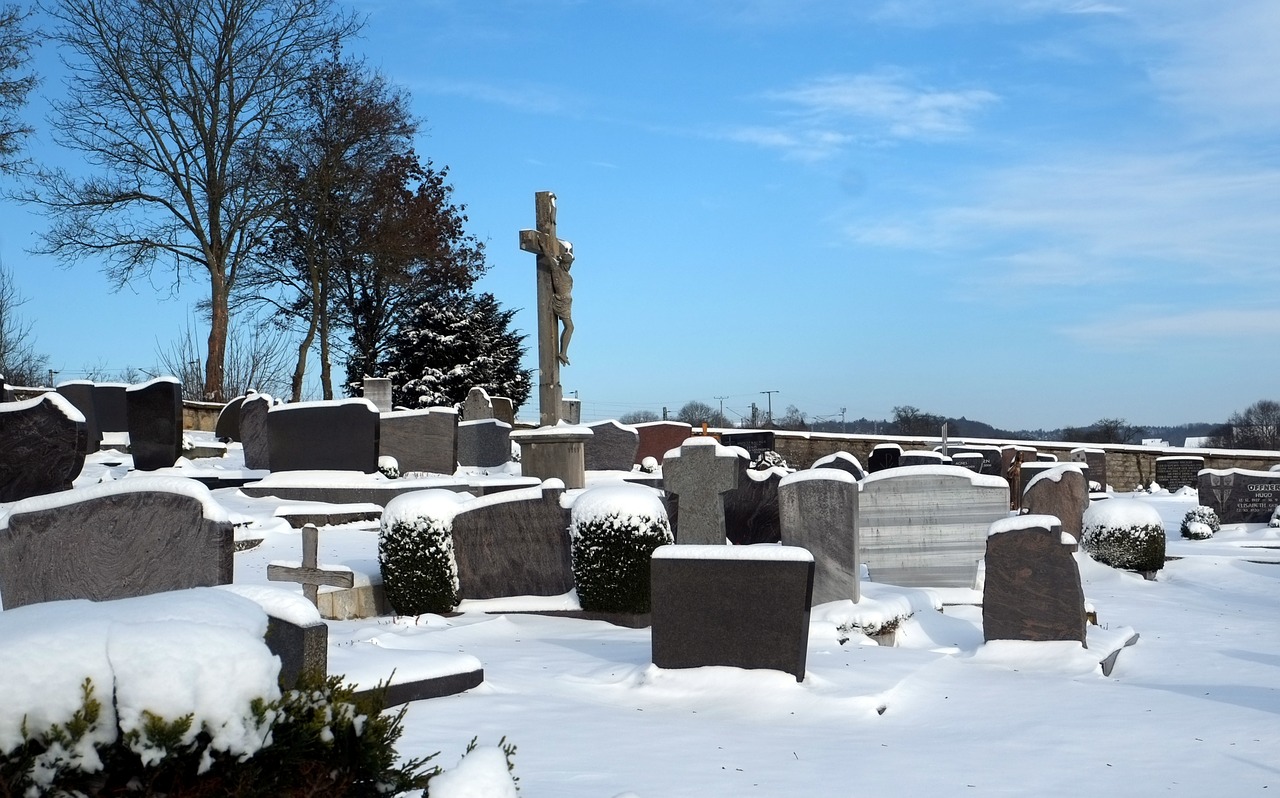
(337, 435)
(884, 455)
(155, 423)
(1174, 473)
(923, 458)
(80, 394)
(111, 406)
(1240, 496)
(253, 431)
(756, 443)
(43, 444)
(844, 461)
(228, 426)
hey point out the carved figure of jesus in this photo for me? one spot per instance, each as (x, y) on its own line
(562, 298)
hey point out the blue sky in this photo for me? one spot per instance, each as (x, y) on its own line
(1034, 213)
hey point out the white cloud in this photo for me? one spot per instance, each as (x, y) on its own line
(1152, 328)
(528, 97)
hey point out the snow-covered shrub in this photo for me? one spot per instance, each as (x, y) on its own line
(649, 465)
(1275, 519)
(389, 466)
(614, 530)
(1124, 533)
(1200, 523)
(415, 552)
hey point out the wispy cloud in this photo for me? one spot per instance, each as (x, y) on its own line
(527, 97)
(1155, 328)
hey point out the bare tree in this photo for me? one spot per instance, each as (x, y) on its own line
(1255, 427)
(19, 362)
(15, 85)
(174, 102)
(258, 359)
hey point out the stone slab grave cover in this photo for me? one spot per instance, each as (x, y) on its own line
(253, 430)
(155, 423)
(484, 443)
(227, 428)
(421, 440)
(659, 437)
(819, 512)
(1240, 496)
(736, 606)
(700, 473)
(884, 455)
(926, 526)
(80, 394)
(1096, 459)
(132, 537)
(43, 444)
(1175, 472)
(1032, 588)
(755, 443)
(337, 435)
(557, 452)
(514, 543)
(612, 446)
(844, 461)
(1062, 492)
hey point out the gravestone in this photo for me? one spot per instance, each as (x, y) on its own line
(1046, 457)
(1030, 471)
(736, 606)
(819, 512)
(131, 537)
(659, 437)
(973, 461)
(514, 543)
(505, 411)
(1096, 459)
(919, 457)
(477, 405)
(751, 509)
(155, 423)
(844, 461)
(700, 472)
(227, 427)
(378, 391)
(111, 406)
(421, 440)
(80, 394)
(1062, 492)
(883, 456)
(253, 430)
(1176, 472)
(571, 411)
(755, 443)
(339, 435)
(1032, 588)
(42, 446)
(557, 452)
(485, 443)
(1240, 496)
(991, 457)
(612, 446)
(928, 529)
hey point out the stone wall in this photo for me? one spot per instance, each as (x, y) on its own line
(201, 416)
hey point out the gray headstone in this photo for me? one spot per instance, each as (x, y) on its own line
(928, 529)
(421, 440)
(557, 452)
(253, 431)
(819, 512)
(1174, 473)
(700, 472)
(485, 443)
(155, 423)
(378, 391)
(227, 427)
(337, 435)
(132, 537)
(1032, 587)
(303, 649)
(844, 461)
(514, 544)
(111, 406)
(477, 405)
(505, 411)
(883, 456)
(571, 411)
(43, 444)
(80, 394)
(1240, 496)
(612, 447)
(1061, 492)
(736, 606)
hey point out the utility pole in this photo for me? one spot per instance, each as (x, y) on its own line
(769, 416)
(843, 429)
(722, 398)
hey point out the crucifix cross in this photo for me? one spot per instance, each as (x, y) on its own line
(310, 574)
(555, 299)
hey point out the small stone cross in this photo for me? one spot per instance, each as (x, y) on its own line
(310, 575)
(703, 473)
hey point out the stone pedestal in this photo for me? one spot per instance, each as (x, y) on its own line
(554, 453)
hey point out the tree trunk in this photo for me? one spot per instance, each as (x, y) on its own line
(219, 321)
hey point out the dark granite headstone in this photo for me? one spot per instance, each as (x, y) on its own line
(1032, 589)
(700, 473)
(253, 431)
(819, 512)
(303, 650)
(42, 446)
(80, 394)
(917, 457)
(1062, 492)
(612, 447)
(228, 426)
(756, 443)
(132, 537)
(736, 606)
(111, 406)
(751, 509)
(1030, 471)
(421, 440)
(514, 544)
(1239, 496)
(884, 455)
(974, 461)
(1177, 472)
(991, 457)
(844, 461)
(155, 423)
(659, 437)
(337, 435)
(485, 443)
(1097, 462)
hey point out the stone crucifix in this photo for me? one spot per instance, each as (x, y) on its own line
(555, 303)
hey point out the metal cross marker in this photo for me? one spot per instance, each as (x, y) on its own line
(310, 574)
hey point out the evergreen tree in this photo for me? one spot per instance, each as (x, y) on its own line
(452, 342)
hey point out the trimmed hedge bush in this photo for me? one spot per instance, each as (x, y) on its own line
(1200, 523)
(415, 556)
(614, 530)
(1124, 533)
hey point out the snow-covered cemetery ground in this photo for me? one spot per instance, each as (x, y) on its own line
(1189, 709)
